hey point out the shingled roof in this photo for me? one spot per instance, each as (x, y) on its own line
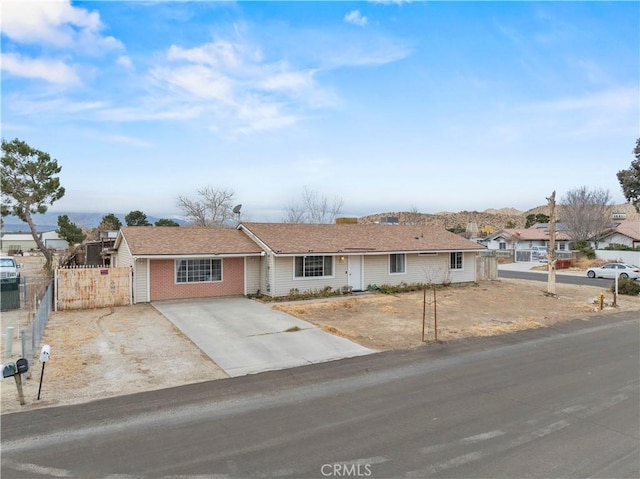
(531, 234)
(287, 238)
(182, 241)
(630, 228)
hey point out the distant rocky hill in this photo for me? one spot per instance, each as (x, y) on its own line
(478, 221)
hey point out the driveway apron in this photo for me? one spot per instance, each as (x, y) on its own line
(244, 337)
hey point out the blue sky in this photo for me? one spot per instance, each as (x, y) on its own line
(390, 106)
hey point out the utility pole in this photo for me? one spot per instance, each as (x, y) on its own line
(551, 255)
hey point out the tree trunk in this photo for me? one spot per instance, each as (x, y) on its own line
(48, 255)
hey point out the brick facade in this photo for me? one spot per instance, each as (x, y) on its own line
(163, 282)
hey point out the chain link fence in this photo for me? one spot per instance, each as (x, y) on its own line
(25, 312)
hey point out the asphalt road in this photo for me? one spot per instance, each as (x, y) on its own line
(560, 278)
(560, 402)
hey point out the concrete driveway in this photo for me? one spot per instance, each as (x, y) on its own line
(244, 336)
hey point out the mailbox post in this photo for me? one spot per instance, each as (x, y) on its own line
(16, 370)
(44, 357)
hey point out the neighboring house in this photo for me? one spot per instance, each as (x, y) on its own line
(310, 257)
(18, 241)
(52, 241)
(274, 258)
(187, 262)
(98, 252)
(525, 239)
(623, 233)
(25, 241)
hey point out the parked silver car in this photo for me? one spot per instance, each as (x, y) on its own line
(610, 270)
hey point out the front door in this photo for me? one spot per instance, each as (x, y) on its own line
(355, 273)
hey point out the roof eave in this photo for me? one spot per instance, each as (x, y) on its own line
(374, 253)
(197, 255)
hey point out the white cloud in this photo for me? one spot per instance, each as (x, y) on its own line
(55, 23)
(263, 116)
(221, 54)
(287, 80)
(52, 71)
(236, 88)
(125, 61)
(197, 81)
(355, 17)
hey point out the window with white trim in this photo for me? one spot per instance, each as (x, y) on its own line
(198, 270)
(313, 266)
(456, 260)
(396, 263)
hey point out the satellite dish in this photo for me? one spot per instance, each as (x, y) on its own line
(236, 209)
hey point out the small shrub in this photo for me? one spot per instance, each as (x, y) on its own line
(627, 286)
(583, 247)
(326, 292)
(399, 288)
(295, 294)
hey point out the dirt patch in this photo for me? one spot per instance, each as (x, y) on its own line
(109, 352)
(384, 322)
(113, 351)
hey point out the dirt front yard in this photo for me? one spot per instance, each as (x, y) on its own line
(114, 351)
(384, 322)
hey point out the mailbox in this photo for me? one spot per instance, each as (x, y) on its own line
(22, 365)
(9, 370)
(45, 353)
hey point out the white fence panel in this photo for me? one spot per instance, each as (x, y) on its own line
(629, 257)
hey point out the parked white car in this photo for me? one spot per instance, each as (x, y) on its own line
(610, 270)
(9, 270)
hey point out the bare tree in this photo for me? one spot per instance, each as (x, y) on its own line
(313, 208)
(213, 207)
(586, 213)
(412, 217)
(294, 213)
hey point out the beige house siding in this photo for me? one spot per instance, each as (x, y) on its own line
(252, 275)
(266, 274)
(141, 281)
(123, 256)
(140, 272)
(418, 269)
(468, 272)
(285, 281)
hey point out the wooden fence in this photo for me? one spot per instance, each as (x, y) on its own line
(486, 268)
(89, 288)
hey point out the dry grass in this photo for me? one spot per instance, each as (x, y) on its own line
(384, 322)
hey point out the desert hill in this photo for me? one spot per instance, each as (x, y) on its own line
(490, 220)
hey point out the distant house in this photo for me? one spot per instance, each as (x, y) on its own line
(98, 252)
(52, 240)
(25, 242)
(275, 258)
(526, 239)
(622, 233)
